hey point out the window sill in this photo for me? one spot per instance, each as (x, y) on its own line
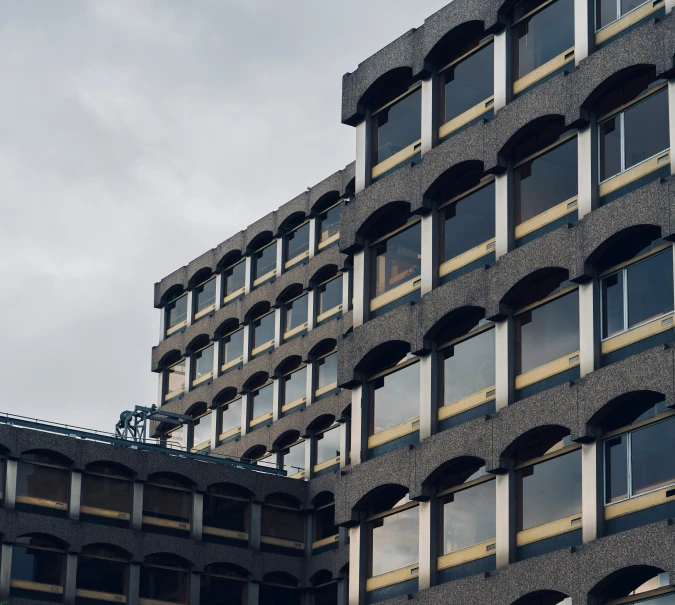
(546, 217)
(322, 466)
(626, 507)
(225, 533)
(328, 241)
(398, 292)
(298, 475)
(550, 369)
(230, 297)
(168, 523)
(466, 403)
(100, 596)
(395, 432)
(655, 326)
(199, 448)
(204, 312)
(327, 389)
(264, 278)
(36, 586)
(42, 502)
(262, 348)
(103, 512)
(328, 314)
(295, 331)
(231, 364)
(466, 257)
(633, 174)
(260, 419)
(202, 379)
(296, 260)
(174, 394)
(325, 542)
(628, 20)
(142, 601)
(179, 327)
(293, 404)
(393, 577)
(548, 530)
(396, 159)
(471, 553)
(231, 433)
(282, 542)
(468, 116)
(544, 70)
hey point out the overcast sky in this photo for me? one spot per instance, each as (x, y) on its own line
(135, 135)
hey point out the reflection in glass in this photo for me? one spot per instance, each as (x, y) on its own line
(397, 126)
(295, 386)
(326, 371)
(201, 430)
(176, 311)
(203, 363)
(324, 523)
(653, 457)
(398, 259)
(106, 493)
(296, 313)
(330, 295)
(607, 11)
(396, 398)
(646, 128)
(610, 148)
(37, 565)
(279, 595)
(165, 503)
(261, 401)
(217, 590)
(469, 222)
(612, 305)
(230, 416)
(469, 517)
(265, 261)
(394, 541)
(175, 377)
(263, 330)
(329, 223)
(469, 367)
(282, 523)
(294, 458)
(650, 288)
(102, 575)
(549, 491)
(225, 513)
(42, 482)
(235, 278)
(205, 295)
(616, 469)
(547, 333)
(233, 346)
(162, 584)
(297, 242)
(327, 445)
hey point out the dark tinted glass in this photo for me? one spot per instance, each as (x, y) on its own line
(605, 12)
(612, 304)
(282, 523)
(162, 584)
(396, 398)
(265, 261)
(297, 242)
(324, 523)
(330, 295)
(203, 362)
(295, 385)
(43, 482)
(650, 288)
(646, 128)
(398, 259)
(469, 367)
(469, 222)
(221, 591)
(542, 37)
(610, 148)
(296, 313)
(230, 416)
(106, 493)
(546, 181)
(653, 457)
(549, 491)
(548, 332)
(616, 468)
(177, 311)
(326, 595)
(469, 517)
(36, 565)
(263, 330)
(262, 401)
(225, 513)
(233, 346)
(629, 5)
(398, 126)
(327, 371)
(279, 595)
(328, 445)
(166, 503)
(469, 82)
(329, 223)
(235, 278)
(205, 295)
(102, 575)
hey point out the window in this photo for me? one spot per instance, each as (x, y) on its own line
(232, 349)
(326, 594)
(205, 298)
(628, 315)
(165, 579)
(279, 589)
(468, 230)
(220, 584)
(395, 403)
(176, 315)
(262, 334)
(102, 574)
(467, 87)
(547, 336)
(202, 366)
(397, 133)
(106, 492)
(328, 224)
(329, 299)
(38, 567)
(295, 317)
(292, 459)
(545, 183)
(42, 481)
(326, 375)
(327, 452)
(397, 266)
(226, 514)
(262, 403)
(297, 245)
(201, 432)
(167, 504)
(615, 16)
(230, 420)
(548, 488)
(265, 264)
(294, 390)
(325, 531)
(467, 505)
(176, 436)
(283, 524)
(234, 281)
(634, 140)
(174, 380)
(543, 40)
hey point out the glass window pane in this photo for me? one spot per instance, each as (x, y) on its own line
(162, 584)
(177, 311)
(279, 595)
(546, 181)
(203, 362)
(102, 575)
(605, 12)
(650, 288)
(469, 517)
(220, 591)
(297, 242)
(328, 445)
(544, 36)
(262, 401)
(201, 430)
(282, 523)
(629, 5)
(205, 295)
(166, 503)
(653, 457)
(43, 482)
(230, 416)
(394, 541)
(329, 223)
(469, 367)
(616, 469)
(330, 295)
(398, 126)
(235, 278)
(396, 398)
(263, 330)
(469, 222)
(398, 259)
(610, 148)
(612, 305)
(326, 595)
(548, 332)
(296, 313)
(233, 346)
(37, 565)
(646, 126)
(549, 491)
(224, 513)
(106, 493)
(295, 386)
(294, 459)
(469, 82)
(175, 377)
(327, 372)
(177, 438)
(324, 523)
(265, 261)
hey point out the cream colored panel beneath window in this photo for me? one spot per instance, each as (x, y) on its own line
(635, 173)
(544, 70)
(401, 430)
(626, 21)
(393, 577)
(466, 403)
(468, 116)
(472, 553)
(552, 214)
(549, 369)
(396, 159)
(612, 511)
(548, 530)
(636, 334)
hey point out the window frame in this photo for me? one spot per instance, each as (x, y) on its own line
(328, 540)
(623, 22)
(298, 545)
(291, 405)
(84, 593)
(177, 393)
(45, 502)
(228, 533)
(332, 386)
(291, 262)
(242, 580)
(283, 452)
(322, 317)
(304, 327)
(234, 362)
(194, 381)
(178, 326)
(231, 432)
(324, 243)
(108, 513)
(254, 422)
(186, 585)
(270, 344)
(168, 523)
(208, 309)
(270, 274)
(228, 298)
(33, 586)
(335, 461)
(197, 448)
(649, 596)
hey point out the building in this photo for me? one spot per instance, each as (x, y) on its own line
(458, 349)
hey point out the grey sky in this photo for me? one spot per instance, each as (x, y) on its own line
(135, 135)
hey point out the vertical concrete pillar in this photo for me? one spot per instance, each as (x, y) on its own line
(217, 344)
(345, 454)
(75, 495)
(309, 388)
(429, 113)
(309, 460)
(309, 532)
(359, 441)
(670, 4)
(503, 70)
(10, 485)
(248, 276)
(5, 570)
(280, 256)
(137, 507)
(588, 169)
(584, 30)
(506, 519)
(215, 426)
(190, 307)
(671, 105)
(219, 290)
(358, 557)
(428, 543)
(278, 327)
(254, 526)
(160, 389)
(430, 248)
(363, 168)
(245, 412)
(428, 394)
(504, 238)
(276, 399)
(311, 309)
(360, 285)
(346, 294)
(197, 521)
(253, 593)
(504, 362)
(592, 505)
(188, 373)
(162, 324)
(134, 583)
(247, 343)
(589, 332)
(70, 585)
(313, 240)
(194, 588)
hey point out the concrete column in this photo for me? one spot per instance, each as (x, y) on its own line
(430, 249)
(503, 69)
(506, 519)
(247, 343)
(359, 441)
(245, 415)
(358, 557)
(311, 309)
(592, 491)
(584, 30)
(188, 373)
(588, 169)
(215, 426)
(346, 294)
(75, 495)
(278, 327)
(190, 307)
(216, 357)
(253, 593)
(345, 429)
(428, 394)
(137, 507)
(670, 4)
(276, 399)
(363, 155)
(504, 238)
(504, 362)
(280, 256)
(10, 485)
(197, 521)
(5, 570)
(313, 243)
(589, 332)
(160, 390)
(195, 586)
(310, 383)
(162, 324)
(671, 105)
(70, 585)
(254, 526)
(134, 583)
(361, 288)
(428, 543)
(309, 458)
(429, 113)
(248, 277)
(219, 290)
